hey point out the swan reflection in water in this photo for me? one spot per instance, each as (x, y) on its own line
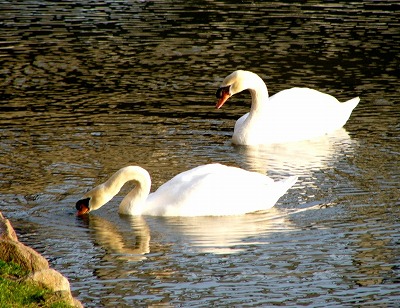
(223, 234)
(206, 234)
(128, 246)
(301, 158)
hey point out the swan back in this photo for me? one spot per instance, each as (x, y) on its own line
(216, 190)
(309, 112)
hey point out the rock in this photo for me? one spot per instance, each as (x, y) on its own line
(6, 230)
(49, 279)
(11, 250)
(62, 296)
(24, 256)
(54, 281)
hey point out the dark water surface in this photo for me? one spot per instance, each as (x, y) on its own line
(88, 87)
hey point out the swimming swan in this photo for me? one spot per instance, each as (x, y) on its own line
(291, 115)
(207, 190)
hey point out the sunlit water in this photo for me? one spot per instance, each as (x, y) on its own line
(89, 87)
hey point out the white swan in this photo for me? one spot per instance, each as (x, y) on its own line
(207, 190)
(291, 115)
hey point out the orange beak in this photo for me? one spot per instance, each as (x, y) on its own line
(222, 100)
(82, 210)
(222, 95)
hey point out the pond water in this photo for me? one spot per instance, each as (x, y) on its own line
(89, 87)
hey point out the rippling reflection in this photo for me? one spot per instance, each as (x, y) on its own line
(223, 235)
(300, 158)
(219, 235)
(106, 235)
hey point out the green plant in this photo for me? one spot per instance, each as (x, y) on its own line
(15, 293)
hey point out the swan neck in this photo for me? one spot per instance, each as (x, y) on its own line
(134, 202)
(259, 99)
(258, 90)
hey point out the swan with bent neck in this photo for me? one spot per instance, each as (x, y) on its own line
(290, 115)
(207, 190)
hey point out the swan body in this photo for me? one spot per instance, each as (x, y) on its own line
(290, 115)
(207, 190)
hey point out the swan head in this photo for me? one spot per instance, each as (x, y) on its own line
(87, 205)
(92, 200)
(83, 206)
(237, 82)
(101, 194)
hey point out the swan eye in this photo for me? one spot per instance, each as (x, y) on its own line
(221, 91)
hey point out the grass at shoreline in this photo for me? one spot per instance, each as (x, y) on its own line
(15, 293)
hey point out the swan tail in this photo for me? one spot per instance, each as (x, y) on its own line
(347, 109)
(352, 103)
(286, 184)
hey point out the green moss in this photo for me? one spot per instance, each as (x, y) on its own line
(11, 270)
(15, 293)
